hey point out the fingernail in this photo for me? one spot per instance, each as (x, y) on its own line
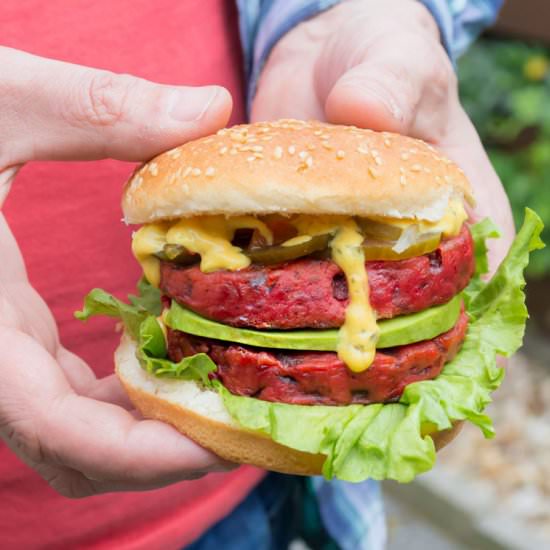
(188, 104)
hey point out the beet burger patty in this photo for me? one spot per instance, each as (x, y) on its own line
(312, 298)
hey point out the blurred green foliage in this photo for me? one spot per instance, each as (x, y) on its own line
(505, 88)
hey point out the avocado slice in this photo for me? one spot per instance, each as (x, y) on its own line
(398, 331)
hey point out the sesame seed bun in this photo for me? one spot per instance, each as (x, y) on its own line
(200, 415)
(291, 166)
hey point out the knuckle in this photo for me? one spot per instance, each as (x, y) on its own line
(102, 101)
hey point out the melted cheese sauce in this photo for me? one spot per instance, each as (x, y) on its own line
(210, 237)
(358, 335)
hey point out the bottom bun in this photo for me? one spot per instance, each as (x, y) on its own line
(200, 415)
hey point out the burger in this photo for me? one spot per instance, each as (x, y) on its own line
(314, 299)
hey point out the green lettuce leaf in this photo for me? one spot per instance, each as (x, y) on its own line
(147, 302)
(148, 298)
(151, 353)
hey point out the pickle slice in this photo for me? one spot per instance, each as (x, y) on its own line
(177, 254)
(383, 250)
(278, 254)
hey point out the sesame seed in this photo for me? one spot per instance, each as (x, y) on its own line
(416, 168)
(186, 172)
(401, 169)
(153, 168)
(196, 172)
(327, 145)
(278, 152)
(259, 155)
(310, 147)
(291, 150)
(264, 130)
(235, 136)
(374, 153)
(267, 138)
(309, 162)
(302, 155)
(221, 132)
(340, 154)
(373, 171)
(363, 150)
(404, 156)
(378, 161)
(448, 179)
(317, 132)
(250, 158)
(387, 142)
(176, 153)
(208, 140)
(325, 136)
(210, 171)
(223, 150)
(403, 180)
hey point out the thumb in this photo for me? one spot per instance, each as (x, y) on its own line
(371, 96)
(390, 91)
(53, 110)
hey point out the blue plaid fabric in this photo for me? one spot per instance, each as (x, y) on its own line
(352, 514)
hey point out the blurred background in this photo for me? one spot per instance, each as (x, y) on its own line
(495, 494)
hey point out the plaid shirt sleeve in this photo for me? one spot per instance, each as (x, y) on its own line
(352, 514)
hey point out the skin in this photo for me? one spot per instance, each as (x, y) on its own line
(373, 64)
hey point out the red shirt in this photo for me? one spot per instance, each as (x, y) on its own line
(67, 220)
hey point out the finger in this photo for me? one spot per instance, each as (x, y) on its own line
(74, 484)
(76, 112)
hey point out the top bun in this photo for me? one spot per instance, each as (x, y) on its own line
(292, 166)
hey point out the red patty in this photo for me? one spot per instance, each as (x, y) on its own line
(320, 378)
(313, 293)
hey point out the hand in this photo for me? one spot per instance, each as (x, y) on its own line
(78, 432)
(380, 65)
